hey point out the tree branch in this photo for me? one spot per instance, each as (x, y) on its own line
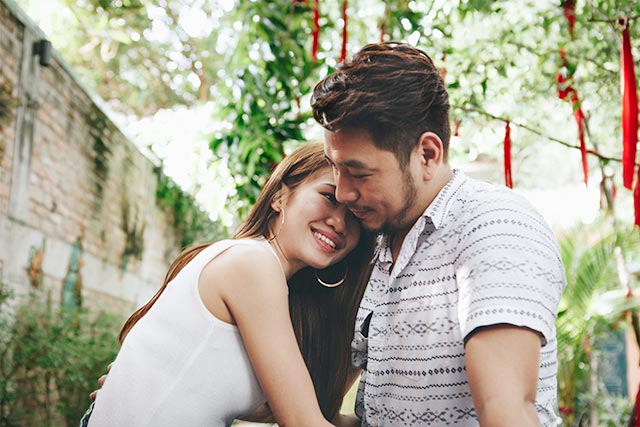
(614, 20)
(537, 132)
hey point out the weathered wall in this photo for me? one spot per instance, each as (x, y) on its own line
(77, 199)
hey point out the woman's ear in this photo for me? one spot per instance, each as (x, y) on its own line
(280, 198)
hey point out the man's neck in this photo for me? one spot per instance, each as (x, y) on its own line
(395, 243)
(397, 237)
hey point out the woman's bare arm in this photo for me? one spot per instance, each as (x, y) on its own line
(254, 290)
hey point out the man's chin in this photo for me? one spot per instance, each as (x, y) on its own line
(372, 225)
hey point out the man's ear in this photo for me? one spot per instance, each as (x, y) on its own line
(430, 150)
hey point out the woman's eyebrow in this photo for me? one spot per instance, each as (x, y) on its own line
(329, 184)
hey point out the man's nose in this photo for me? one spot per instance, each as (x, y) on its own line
(345, 190)
(338, 219)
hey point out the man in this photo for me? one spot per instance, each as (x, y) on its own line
(456, 327)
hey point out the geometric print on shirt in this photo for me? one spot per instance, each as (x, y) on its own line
(480, 255)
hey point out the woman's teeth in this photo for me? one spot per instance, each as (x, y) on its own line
(325, 239)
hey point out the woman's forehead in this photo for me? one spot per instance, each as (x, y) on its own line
(322, 175)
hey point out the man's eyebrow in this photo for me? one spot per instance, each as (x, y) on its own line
(355, 164)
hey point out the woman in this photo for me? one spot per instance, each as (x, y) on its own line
(217, 340)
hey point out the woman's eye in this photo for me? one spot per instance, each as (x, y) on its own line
(330, 197)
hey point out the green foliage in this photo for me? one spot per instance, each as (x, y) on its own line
(140, 55)
(49, 359)
(269, 70)
(190, 222)
(501, 58)
(594, 303)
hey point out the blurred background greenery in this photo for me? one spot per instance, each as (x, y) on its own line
(217, 91)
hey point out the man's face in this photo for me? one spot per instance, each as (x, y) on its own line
(370, 181)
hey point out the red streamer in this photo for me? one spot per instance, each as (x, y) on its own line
(635, 416)
(508, 181)
(443, 69)
(629, 94)
(636, 201)
(383, 23)
(316, 30)
(343, 52)
(568, 93)
(579, 116)
(569, 10)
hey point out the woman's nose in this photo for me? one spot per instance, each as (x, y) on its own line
(338, 219)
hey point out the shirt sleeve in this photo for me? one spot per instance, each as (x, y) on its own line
(508, 268)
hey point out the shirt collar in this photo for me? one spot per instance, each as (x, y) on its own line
(434, 216)
(439, 207)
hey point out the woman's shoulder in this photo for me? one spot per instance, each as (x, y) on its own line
(246, 259)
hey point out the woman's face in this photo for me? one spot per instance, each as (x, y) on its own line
(318, 231)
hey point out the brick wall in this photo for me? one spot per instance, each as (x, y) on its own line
(75, 194)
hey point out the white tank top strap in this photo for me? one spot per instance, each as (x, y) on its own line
(275, 254)
(220, 246)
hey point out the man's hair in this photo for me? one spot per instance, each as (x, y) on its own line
(390, 89)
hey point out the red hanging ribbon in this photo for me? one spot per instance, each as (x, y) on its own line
(316, 30)
(383, 21)
(508, 181)
(456, 128)
(579, 116)
(443, 69)
(568, 93)
(636, 200)
(636, 412)
(629, 94)
(569, 10)
(343, 52)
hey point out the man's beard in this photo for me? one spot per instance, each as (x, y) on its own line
(399, 220)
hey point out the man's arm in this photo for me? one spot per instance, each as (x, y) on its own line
(502, 369)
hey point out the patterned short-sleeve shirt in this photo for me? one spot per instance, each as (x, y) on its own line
(480, 255)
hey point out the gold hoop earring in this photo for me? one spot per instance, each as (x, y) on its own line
(270, 239)
(335, 284)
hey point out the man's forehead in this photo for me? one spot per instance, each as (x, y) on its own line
(357, 156)
(347, 158)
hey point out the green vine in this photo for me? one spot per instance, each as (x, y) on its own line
(133, 229)
(190, 222)
(7, 103)
(101, 151)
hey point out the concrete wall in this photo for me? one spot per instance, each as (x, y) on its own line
(77, 199)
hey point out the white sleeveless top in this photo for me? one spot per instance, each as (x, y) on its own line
(180, 365)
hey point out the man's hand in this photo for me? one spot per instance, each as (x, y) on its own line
(341, 420)
(101, 381)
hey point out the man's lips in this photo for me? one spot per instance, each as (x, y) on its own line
(359, 212)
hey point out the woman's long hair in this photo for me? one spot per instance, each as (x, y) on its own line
(323, 318)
